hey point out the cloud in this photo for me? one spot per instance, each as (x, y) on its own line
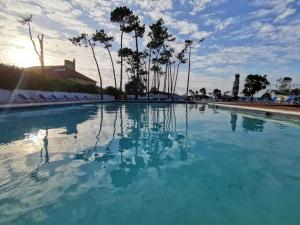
(186, 27)
(54, 5)
(200, 35)
(280, 9)
(200, 5)
(20, 8)
(161, 5)
(269, 33)
(70, 22)
(288, 12)
(225, 23)
(201, 79)
(246, 55)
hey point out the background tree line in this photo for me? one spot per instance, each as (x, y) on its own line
(254, 83)
(151, 68)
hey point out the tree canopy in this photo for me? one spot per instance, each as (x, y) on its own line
(255, 83)
(236, 86)
(217, 93)
(133, 85)
(203, 91)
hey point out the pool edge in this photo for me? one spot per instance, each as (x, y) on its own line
(261, 111)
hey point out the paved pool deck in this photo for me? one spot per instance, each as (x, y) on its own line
(46, 104)
(268, 109)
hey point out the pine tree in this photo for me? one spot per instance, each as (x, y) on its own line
(87, 41)
(236, 86)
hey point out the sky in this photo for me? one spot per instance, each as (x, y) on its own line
(241, 36)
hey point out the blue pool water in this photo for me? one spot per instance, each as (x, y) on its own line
(159, 164)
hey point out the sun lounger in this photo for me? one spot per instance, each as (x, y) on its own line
(45, 98)
(87, 98)
(42, 97)
(68, 97)
(23, 97)
(54, 97)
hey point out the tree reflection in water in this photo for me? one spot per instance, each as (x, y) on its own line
(147, 138)
(253, 124)
(233, 121)
(202, 107)
(44, 157)
(42, 119)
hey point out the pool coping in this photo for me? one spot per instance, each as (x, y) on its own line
(47, 104)
(155, 101)
(267, 112)
(63, 103)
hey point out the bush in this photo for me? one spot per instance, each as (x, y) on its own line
(295, 91)
(113, 91)
(9, 76)
(228, 98)
(12, 77)
(133, 85)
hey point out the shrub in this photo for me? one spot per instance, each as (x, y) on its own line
(12, 77)
(112, 91)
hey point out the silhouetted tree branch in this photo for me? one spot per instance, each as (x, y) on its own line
(40, 52)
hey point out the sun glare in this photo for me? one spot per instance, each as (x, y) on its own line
(22, 54)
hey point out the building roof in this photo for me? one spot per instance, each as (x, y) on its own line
(60, 72)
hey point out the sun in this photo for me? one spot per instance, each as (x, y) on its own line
(22, 53)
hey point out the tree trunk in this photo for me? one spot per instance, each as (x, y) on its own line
(137, 66)
(121, 73)
(41, 53)
(121, 121)
(113, 66)
(148, 80)
(99, 73)
(158, 80)
(168, 80)
(165, 79)
(98, 134)
(154, 83)
(173, 80)
(189, 71)
(176, 79)
(170, 83)
(41, 57)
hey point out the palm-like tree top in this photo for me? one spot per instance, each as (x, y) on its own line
(103, 38)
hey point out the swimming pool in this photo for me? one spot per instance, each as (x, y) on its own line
(146, 164)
